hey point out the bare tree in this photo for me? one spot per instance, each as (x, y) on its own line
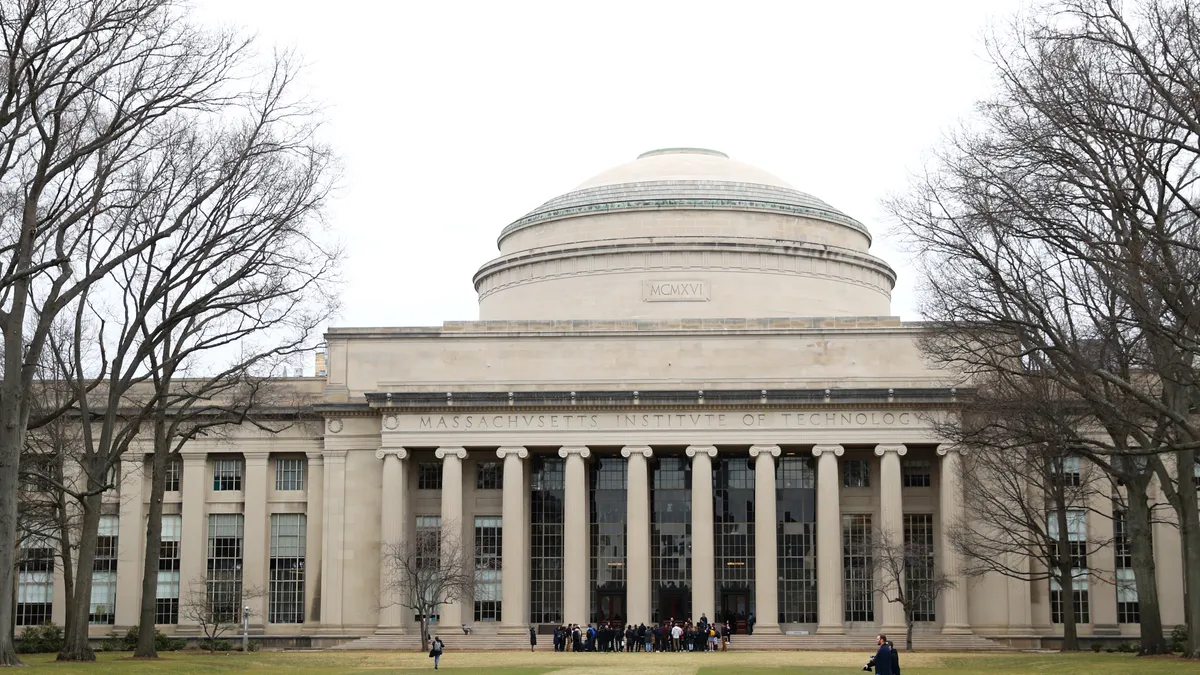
(90, 89)
(907, 576)
(427, 570)
(1059, 240)
(216, 610)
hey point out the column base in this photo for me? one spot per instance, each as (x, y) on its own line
(956, 630)
(772, 629)
(513, 630)
(391, 630)
(836, 629)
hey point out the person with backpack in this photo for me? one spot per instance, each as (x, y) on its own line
(436, 650)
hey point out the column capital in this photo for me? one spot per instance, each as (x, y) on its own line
(772, 450)
(400, 453)
(581, 450)
(884, 448)
(256, 456)
(945, 448)
(315, 457)
(194, 459)
(710, 450)
(835, 450)
(520, 451)
(643, 450)
(443, 453)
(336, 455)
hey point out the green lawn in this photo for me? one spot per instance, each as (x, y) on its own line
(523, 663)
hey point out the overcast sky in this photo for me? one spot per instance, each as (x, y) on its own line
(454, 119)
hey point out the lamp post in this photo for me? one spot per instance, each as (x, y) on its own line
(246, 629)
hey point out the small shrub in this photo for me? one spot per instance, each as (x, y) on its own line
(44, 639)
(1110, 650)
(254, 646)
(1097, 647)
(223, 645)
(1124, 648)
(162, 641)
(1179, 637)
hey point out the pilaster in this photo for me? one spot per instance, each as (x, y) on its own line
(393, 522)
(314, 485)
(256, 539)
(335, 535)
(193, 546)
(131, 537)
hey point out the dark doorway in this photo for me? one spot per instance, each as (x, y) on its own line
(610, 607)
(673, 604)
(735, 607)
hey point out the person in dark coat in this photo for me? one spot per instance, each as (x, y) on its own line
(436, 651)
(532, 639)
(884, 658)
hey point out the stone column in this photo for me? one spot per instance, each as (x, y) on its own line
(314, 486)
(514, 615)
(1102, 593)
(891, 521)
(766, 554)
(576, 535)
(637, 534)
(335, 536)
(829, 541)
(703, 551)
(955, 620)
(451, 614)
(131, 537)
(193, 546)
(257, 537)
(393, 516)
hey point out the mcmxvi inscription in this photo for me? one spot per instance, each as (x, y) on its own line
(675, 291)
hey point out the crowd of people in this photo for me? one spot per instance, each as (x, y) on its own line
(667, 636)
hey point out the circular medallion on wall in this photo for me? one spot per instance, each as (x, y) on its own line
(391, 422)
(335, 425)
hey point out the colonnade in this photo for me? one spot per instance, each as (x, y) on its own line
(639, 592)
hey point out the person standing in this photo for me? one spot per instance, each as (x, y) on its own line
(532, 639)
(750, 624)
(436, 651)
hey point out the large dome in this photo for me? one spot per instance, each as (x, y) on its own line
(683, 233)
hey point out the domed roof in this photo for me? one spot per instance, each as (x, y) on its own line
(684, 178)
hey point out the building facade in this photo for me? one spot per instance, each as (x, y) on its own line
(685, 396)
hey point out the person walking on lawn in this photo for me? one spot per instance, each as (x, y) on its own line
(436, 651)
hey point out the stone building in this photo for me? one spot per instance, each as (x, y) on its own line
(685, 396)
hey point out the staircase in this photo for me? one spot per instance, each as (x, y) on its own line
(477, 641)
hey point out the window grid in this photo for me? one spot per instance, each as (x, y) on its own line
(35, 583)
(285, 597)
(489, 476)
(856, 473)
(1128, 609)
(733, 525)
(546, 541)
(608, 534)
(224, 580)
(289, 474)
(227, 475)
(489, 550)
(671, 533)
(916, 473)
(795, 509)
(429, 547)
(174, 474)
(102, 611)
(1077, 549)
(1071, 471)
(858, 576)
(429, 476)
(918, 565)
(1082, 614)
(166, 599)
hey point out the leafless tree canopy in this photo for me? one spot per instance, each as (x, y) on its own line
(907, 575)
(216, 612)
(429, 569)
(1058, 238)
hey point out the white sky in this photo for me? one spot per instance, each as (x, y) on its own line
(456, 118)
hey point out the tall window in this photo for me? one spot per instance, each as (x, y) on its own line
(608, 508)
(915, 473)
(733, 533)
(1071, 473)
(546, 540)
(488, 566)
(103, 610)
(429, 476)
(856, 473)
(1128, 609)
(227, 475)
(671, 538)
(166, 603)
(490, 476)
(225, 565)
(1077, 549)
(858, 584)
(35, 582)
(796, 511)
(918, 563)
(429, 542)
(289, 473)
(285, 596)
(174, 472)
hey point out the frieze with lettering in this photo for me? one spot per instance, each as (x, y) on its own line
(611, 421)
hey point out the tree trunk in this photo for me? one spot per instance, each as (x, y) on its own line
(75, 640)
(908, 626)
(158, 485)
(1137, 532)
(12, 439)
(1189, 532)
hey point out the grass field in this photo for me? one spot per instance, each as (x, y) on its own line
(519, 663)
